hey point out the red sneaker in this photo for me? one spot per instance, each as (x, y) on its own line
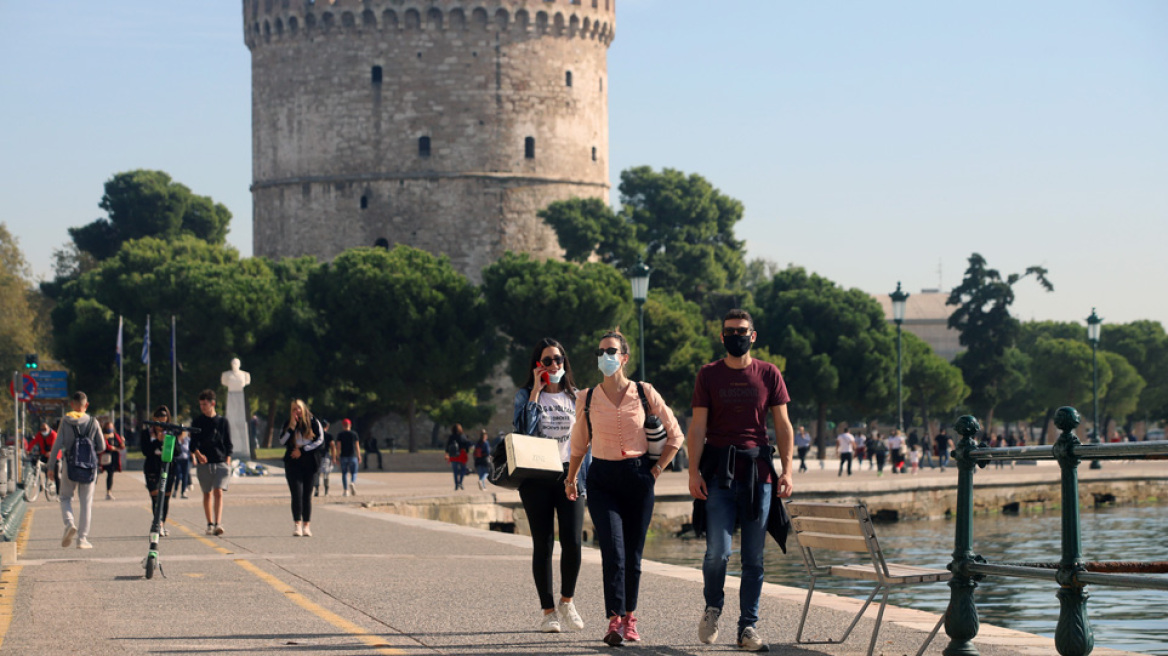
(613, 637)
(630, 629)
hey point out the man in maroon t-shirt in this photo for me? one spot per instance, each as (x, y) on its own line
(730, 404)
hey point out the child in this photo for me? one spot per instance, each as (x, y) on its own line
(914, 458)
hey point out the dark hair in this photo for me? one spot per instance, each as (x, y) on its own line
(161, 411)
(80, 398)
(737, 313)
(615, 333)
(568, 382)
(207, 395)
(457, 428)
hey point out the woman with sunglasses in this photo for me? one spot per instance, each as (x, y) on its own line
(611, 419)
(546, 407)
(152, 439)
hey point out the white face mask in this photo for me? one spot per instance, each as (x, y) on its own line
(608, 364)
(45, 432)
(556, 377)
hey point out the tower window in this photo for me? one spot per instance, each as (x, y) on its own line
(594, 153)
(601, 85)
(376, 75)
(529, 147)
(381, 242)
(568, 78)
(423, 146)
(365, 200)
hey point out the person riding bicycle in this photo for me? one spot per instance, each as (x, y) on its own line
(40, 445)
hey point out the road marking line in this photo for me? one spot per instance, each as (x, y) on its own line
(295, 597)
(10, 577)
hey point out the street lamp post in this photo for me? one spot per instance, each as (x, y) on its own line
(1093, 324)
(640, 282)
(898, 301)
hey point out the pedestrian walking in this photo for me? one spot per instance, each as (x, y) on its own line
(943, 442)
(612, 421)
(896, 451)
(80, 440)
(802, 446)
(302, 437)
(879, 450)
(546, 407)
(211, 449)
(151, 439)
(914, 459)
(846, 447)
(324, 461)
(457, 447)
(732, 470)
(348, 454)
(482, 458)
(182, 466)
(861, 449)
(110, 460)
(371, 449)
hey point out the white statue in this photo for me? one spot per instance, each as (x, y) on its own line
(235, 380)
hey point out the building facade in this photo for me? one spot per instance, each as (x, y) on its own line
(441, 124)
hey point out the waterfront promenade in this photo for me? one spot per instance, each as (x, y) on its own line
(371, 582)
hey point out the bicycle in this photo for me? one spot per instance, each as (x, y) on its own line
(36, 481)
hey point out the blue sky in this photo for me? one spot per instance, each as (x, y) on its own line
(869, 142)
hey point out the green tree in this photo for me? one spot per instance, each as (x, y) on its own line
(931, 384)
(677, 345)
(1123, 391)
(403, 327)
(1060, 370)
(838, 346)
(983, 301)
(146, 203)
(20, 332)
(462, 408)
(573, 303)
(1145, 346)
(681, 225)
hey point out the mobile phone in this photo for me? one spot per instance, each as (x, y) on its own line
(543, 375)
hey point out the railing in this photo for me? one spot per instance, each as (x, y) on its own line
(1073, 635)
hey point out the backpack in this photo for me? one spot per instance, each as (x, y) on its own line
(453, 448)
(82, 460)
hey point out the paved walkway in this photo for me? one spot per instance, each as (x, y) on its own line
(371, 583)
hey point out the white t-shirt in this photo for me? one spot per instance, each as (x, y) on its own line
(895, 442)
(846, 442)
(559, 413)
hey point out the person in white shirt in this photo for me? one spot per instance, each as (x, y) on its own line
(847, 446)
(896, 451)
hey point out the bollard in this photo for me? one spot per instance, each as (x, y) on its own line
(961, 621)
(1073, 636)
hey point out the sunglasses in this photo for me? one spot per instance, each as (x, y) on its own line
(555, 359)
(730, 332)
(612, 350)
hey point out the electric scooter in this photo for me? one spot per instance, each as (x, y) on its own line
(168, 441)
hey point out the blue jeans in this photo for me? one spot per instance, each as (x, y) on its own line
(482, 471)
(348, 471)
(721, 513)
(944, 458)
(459, 469)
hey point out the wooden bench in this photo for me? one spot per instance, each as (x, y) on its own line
(848, 528)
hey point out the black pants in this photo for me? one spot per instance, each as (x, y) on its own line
(154, 481)
(845, 458)
(372, 453)
(620, 500)
(299, 473)
(803, 458)
(109, 475)
(543, 501)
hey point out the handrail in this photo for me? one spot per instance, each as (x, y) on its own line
(1073, 634)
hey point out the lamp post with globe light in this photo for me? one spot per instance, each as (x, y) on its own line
(899, 298)
(639, 277)
(1093, 324)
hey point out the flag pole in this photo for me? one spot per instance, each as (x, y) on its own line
(146, 359)
(121, 380)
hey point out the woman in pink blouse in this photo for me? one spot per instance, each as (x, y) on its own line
(611, 418)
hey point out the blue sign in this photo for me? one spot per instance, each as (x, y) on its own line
(51, 384)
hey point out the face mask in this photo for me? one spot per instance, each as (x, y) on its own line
(45, 432)
(556, 377)
(736, 345)
(608, 364)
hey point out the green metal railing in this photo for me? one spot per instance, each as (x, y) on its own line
(1073, 635)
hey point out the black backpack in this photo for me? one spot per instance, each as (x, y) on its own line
(82, 461)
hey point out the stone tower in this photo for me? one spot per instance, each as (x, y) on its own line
(442, 124)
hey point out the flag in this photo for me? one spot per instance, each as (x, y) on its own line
(118, 350)
(146, 343)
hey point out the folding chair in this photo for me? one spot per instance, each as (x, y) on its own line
(848, 528)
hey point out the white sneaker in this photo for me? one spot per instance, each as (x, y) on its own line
(84, 544)
(307, 531)
(352, 489)
(569, 617)
(298, 531)
(164, 532)
(708, 626)
(218, 529)
(210, 529)
(750, 640)
(550, 624)
(67, 538)
(108, 496)
(345, 493)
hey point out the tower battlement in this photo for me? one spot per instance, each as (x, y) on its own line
(442, 124)
(268, 20)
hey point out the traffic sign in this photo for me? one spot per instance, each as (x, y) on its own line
(28, 389)
(51, 384)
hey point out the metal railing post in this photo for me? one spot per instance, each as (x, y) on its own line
(1073, 635)
(961, 621)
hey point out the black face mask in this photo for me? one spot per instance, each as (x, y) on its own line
(736, 345)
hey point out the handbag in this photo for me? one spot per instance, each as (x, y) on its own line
(654, 429)
(524, 457)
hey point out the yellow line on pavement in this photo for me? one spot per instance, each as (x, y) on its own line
(10, 577)
(300, 600)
